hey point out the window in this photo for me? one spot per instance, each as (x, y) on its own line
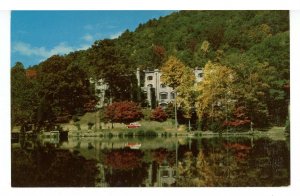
(150, 78)
(165, 173)
(172, 95)
(163, 105)
(150, 85)
(200, 75)
(162, 86)
(163, 95)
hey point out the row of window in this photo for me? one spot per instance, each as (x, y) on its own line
(164, 95)
(199, 75)
(161, 86)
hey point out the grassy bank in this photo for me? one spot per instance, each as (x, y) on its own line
(87, 118)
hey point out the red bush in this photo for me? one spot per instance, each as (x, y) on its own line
(123, 112)
(159, 115)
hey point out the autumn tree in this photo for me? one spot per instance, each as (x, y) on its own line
(158, 114)
(216, 93)
(186, 93)
(172, 72)
(123, 112)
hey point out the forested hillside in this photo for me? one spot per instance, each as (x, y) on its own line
(253, 45)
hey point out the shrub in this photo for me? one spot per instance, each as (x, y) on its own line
(140, 133)
(123, 112)
(110, 135)
(129, 134)
(75, 118)
(147, 114)
(150, 133)
(159, 115)
(78, 126)
(90, 125)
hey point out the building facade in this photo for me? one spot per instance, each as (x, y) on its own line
(156, 92)
(100, 89)
(154, 88)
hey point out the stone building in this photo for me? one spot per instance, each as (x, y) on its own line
(156, 92)
(154, 88)
(100, 89)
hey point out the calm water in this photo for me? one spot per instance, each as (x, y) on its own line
(140, 162)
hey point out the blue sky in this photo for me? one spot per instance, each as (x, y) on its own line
(37, 35)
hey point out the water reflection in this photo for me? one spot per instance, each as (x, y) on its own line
(104, 162)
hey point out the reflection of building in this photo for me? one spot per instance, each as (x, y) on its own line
(166, 175)
(155, 89)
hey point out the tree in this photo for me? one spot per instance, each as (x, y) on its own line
(63, 86)
(123, 112)
(172, 72)
(158, 115)
(23, 96)
(112, 64)
(216, 93)
(253, 82)
(186, 93)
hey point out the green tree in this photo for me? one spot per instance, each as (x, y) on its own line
(63, 86)
(252, 86)
(23, 96)
(112, 64)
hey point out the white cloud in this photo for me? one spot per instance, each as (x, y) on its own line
(115, 35)
(88, 38)
(28, 50)
(84, 47)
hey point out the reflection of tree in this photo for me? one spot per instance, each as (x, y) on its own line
(235, 163)
(47, 167)
(271, 160)
(161, 155)
(195, 171)
(127, 178)
(125, 167)
(124, 159)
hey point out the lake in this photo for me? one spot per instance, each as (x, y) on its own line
(219, 161)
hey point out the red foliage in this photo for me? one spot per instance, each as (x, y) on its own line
(241, 151)
(161, 154)
(31, 73)
(240, 118)
(124, 159)
(159, 51)
(159, 115)
(123, 112)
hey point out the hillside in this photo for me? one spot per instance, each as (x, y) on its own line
(231, 38)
